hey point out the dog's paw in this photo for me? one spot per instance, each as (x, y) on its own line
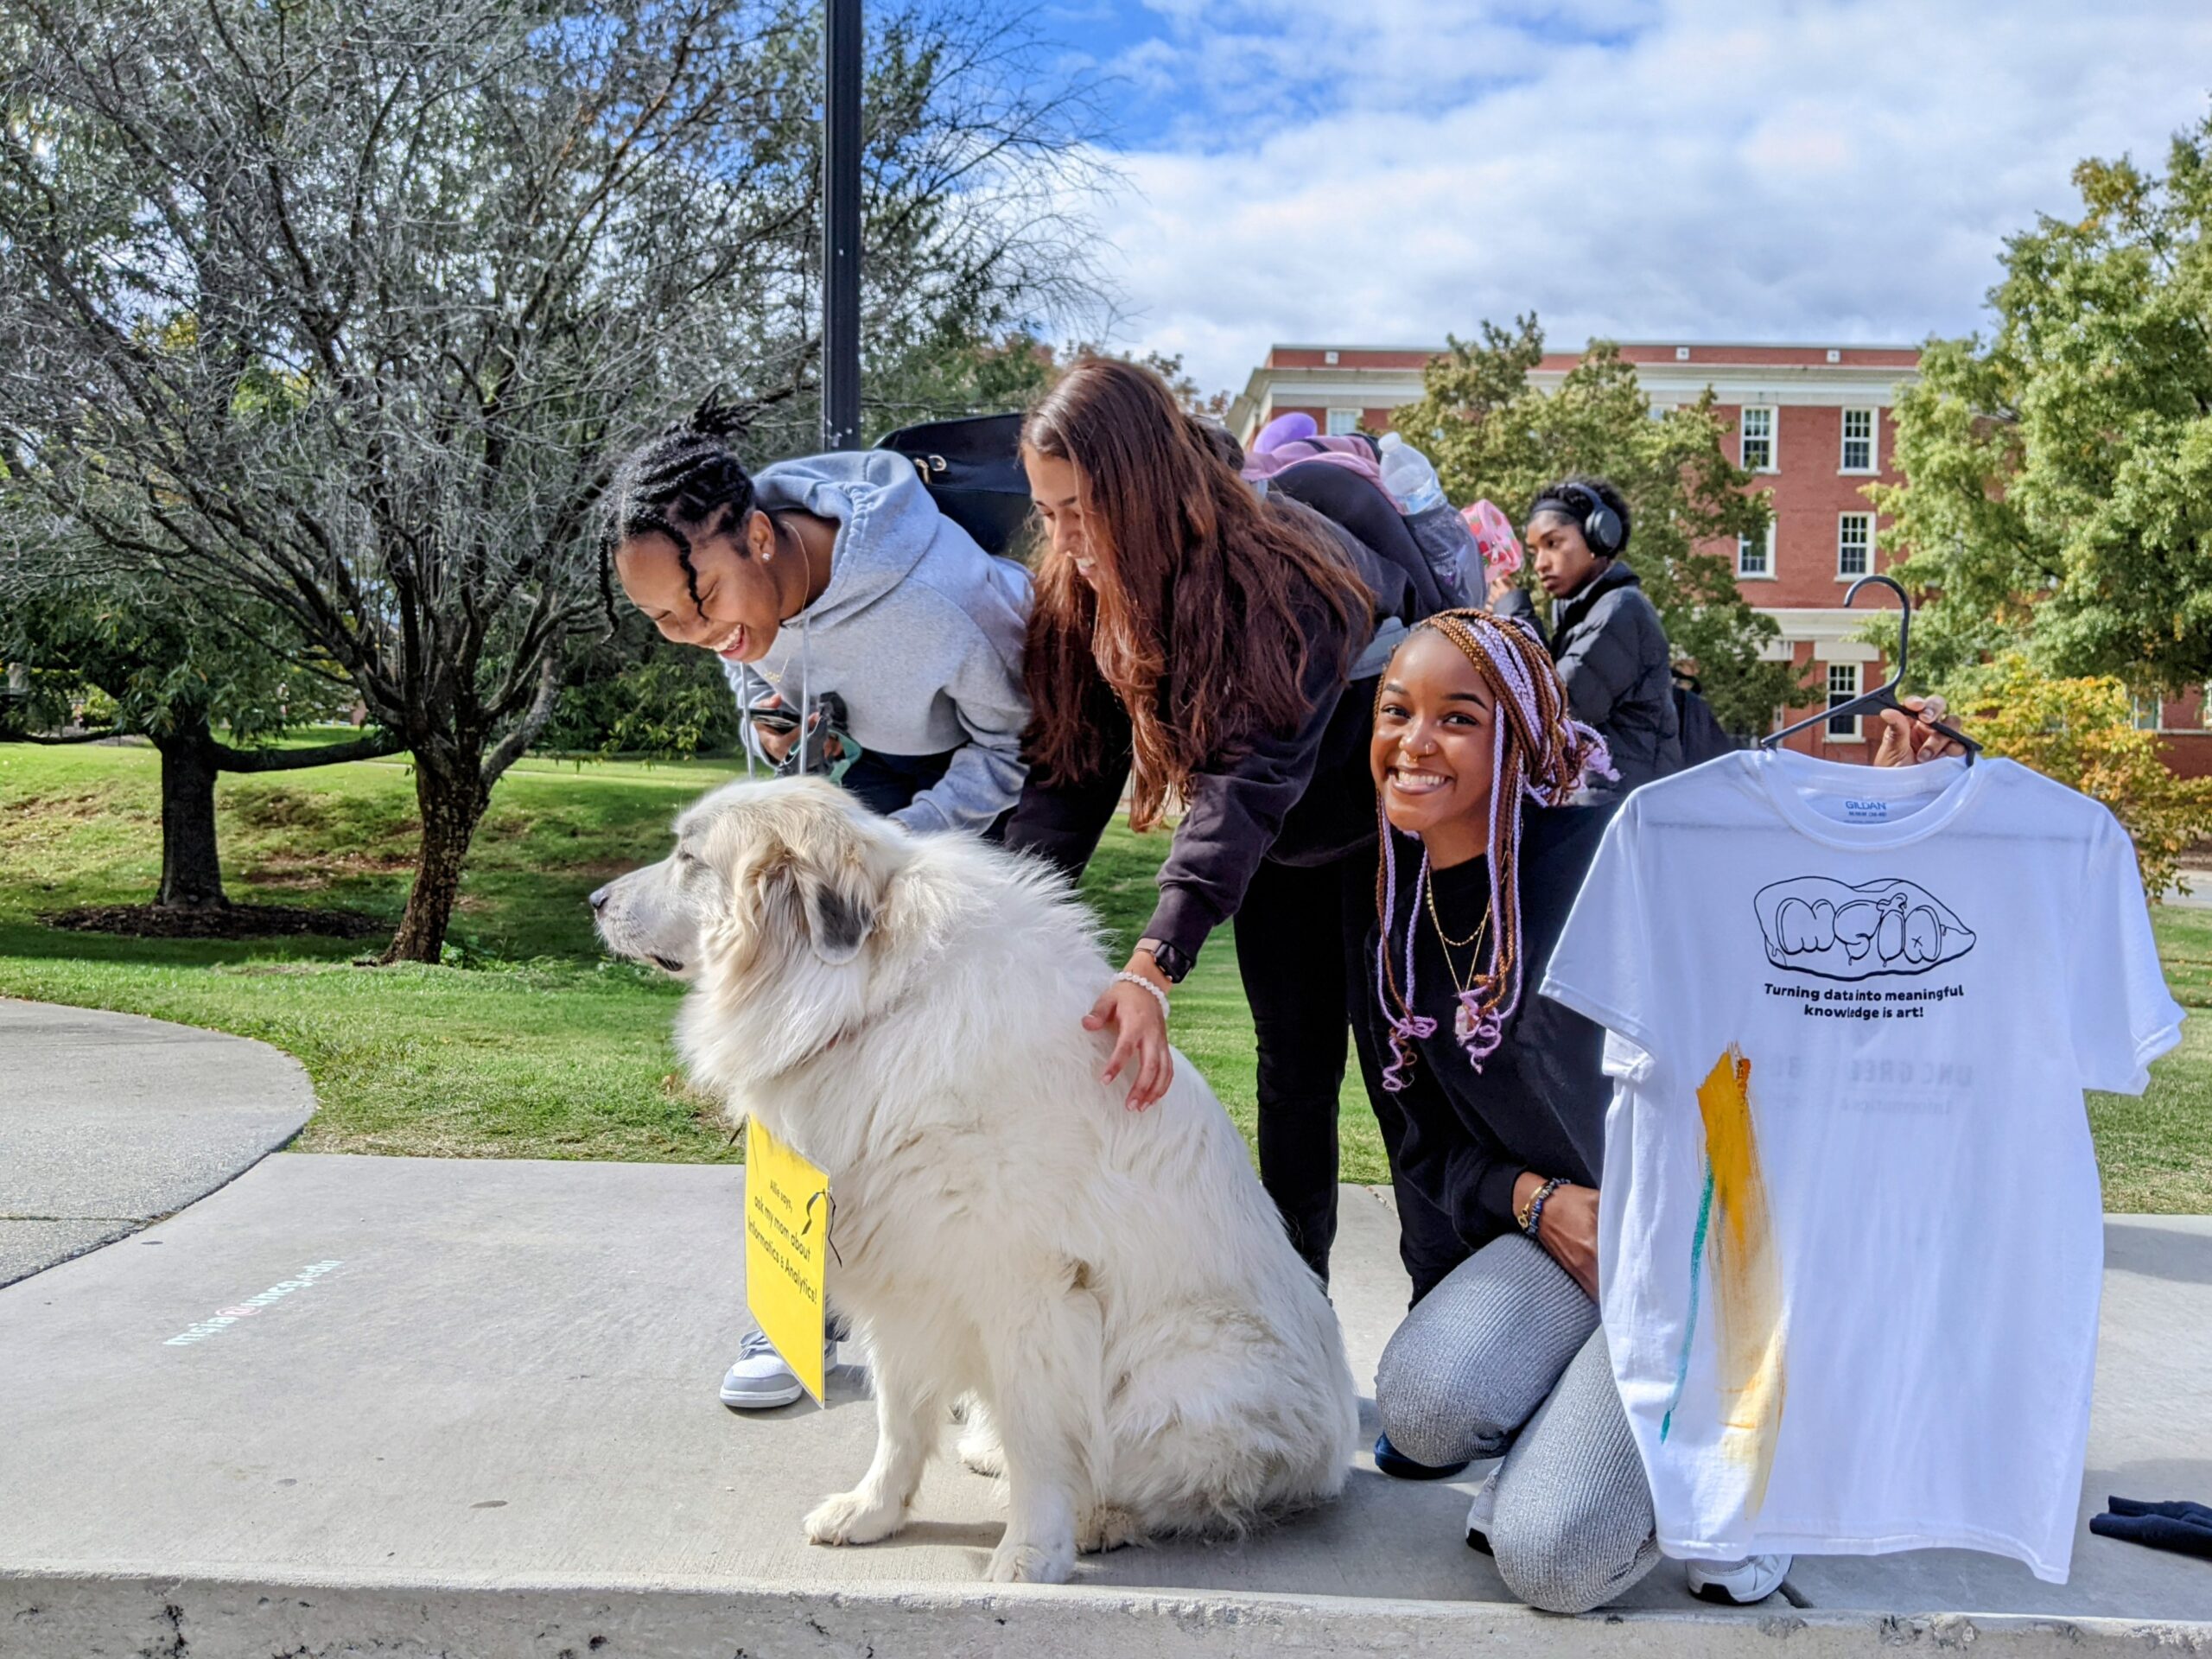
(852, 1518)
(1108, 1526)
(1026, 1561)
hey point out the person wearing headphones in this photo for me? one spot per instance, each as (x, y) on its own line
(1606, 637)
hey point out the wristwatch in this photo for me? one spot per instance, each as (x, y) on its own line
(1173, 965)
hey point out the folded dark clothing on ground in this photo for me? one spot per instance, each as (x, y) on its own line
(2181, 1525)
(2178, 1510)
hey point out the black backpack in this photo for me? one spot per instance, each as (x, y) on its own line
(1703, 738)
(973, 468)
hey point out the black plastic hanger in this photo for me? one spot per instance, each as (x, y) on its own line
(1884, 696)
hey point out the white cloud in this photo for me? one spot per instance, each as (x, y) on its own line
(1823, 170)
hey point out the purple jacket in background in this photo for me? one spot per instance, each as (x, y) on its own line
(1354, 455)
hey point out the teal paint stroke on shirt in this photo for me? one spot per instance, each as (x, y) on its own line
(1689, 1326)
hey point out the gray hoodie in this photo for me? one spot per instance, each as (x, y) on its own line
(919, 631)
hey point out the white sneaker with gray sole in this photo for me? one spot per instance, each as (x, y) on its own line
(1739, 1584)
(760, 1381)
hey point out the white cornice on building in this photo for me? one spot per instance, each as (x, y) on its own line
(1364, 386)
(1824, 384)
(1830, 631)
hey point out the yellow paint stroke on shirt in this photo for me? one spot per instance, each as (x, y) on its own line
(1746, 1274)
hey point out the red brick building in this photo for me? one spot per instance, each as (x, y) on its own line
(1813, 421)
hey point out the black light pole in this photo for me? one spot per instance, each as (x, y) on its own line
(840, 226)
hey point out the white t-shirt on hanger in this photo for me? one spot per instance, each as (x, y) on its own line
(1851, 1240)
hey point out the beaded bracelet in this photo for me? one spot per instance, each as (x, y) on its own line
(1536, 1222)
(1158, 996)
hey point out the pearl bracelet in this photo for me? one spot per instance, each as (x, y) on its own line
(1158, 996)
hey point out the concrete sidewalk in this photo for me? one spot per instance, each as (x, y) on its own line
(108, 1121)
(481, 1420)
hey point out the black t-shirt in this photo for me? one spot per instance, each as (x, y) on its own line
(1540, 1101)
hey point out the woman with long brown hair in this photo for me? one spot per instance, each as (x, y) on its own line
(1196, 643)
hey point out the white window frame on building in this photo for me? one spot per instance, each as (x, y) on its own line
(1847, 729)
(1863, 546)
(1869, 441)
(1771, 437)
(2148, 711)
(1764, 555)
(1342, 423)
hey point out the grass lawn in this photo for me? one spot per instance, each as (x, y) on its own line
(529, 1043)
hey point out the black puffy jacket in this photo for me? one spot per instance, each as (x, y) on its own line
(1612, 653)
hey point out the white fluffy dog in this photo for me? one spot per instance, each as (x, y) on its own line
(1114, 1287)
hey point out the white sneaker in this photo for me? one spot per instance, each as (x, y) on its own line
(760, 1381)
(1482, 1515)
(1739, 1583)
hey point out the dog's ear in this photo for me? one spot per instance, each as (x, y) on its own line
(838, 882)
(806, 872)
(838, 907)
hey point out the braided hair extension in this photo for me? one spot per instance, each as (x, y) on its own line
(1539, 751)
(687, 475)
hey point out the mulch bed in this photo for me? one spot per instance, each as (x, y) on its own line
(232, 922)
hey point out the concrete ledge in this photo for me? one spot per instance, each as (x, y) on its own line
(42, 1617)
(425, 1407)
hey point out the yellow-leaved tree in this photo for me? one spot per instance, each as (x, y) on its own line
(2082, 732)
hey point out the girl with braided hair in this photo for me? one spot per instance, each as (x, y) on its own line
(1476, 758)
(1504, 1096)
(831, 576)
(835, 574)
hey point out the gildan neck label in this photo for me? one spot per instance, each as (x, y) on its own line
(1861, 806)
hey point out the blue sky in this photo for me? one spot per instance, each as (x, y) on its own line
(1824, 171)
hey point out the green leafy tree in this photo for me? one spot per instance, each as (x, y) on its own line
(2059, 493)
(176, 677)
(635, 693)
(1491, 434)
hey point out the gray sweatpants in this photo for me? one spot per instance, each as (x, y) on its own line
(1505, 1356)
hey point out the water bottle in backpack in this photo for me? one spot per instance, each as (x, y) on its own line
(1408, 474)
(1446, 544)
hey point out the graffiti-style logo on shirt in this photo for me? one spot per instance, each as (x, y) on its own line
(1816, 925)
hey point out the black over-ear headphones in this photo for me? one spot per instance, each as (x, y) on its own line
(1601, 529)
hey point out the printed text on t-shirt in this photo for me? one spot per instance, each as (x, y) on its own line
(1869, 1003)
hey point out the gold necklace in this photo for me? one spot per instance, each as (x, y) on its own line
(1474, 963)
(1458, 945)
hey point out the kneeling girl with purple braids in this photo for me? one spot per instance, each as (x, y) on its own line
(1503, 1098)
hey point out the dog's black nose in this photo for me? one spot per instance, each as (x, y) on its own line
(599, 900)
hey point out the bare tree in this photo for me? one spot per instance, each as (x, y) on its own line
(346, 311)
